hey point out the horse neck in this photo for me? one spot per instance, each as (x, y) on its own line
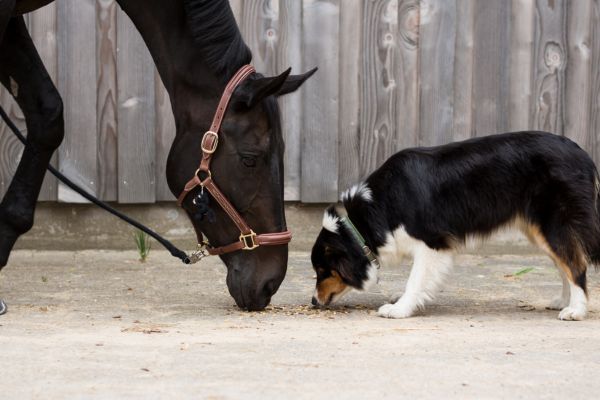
(191, 84)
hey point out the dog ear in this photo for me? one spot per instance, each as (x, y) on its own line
(346, 270)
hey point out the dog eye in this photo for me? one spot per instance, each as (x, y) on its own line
(249, 161)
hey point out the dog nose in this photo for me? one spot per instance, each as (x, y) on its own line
(314, 301)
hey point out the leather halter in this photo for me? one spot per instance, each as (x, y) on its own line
(248, 239)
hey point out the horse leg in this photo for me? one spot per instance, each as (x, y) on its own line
(6, 10)
(24, 75)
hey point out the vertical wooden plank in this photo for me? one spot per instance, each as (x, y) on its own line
(407, 127)
(42, 27)
(436, 39)
(463, 70)
(594, 125)
(578, 70)
(549, 71)
(289, 54)
(378, 86)
(521, 64)
(136, 148)
(320, 113)
(165, 134)
(491, 69)
(260, 31)
(349, 84)
(77, 83)
(237, 9)
(106, 65)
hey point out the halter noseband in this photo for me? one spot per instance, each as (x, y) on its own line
(248, 239)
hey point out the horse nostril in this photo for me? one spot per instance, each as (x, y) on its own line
(314, 301)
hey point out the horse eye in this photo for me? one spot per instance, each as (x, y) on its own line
(249, 162)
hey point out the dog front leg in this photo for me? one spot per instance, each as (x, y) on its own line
(429, 269)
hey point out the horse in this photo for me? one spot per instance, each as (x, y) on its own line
(197, 47)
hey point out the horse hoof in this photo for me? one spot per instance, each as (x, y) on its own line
(3, 308)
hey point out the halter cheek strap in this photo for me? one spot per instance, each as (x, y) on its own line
(248, 239)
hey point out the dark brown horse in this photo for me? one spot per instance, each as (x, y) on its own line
(197, 47)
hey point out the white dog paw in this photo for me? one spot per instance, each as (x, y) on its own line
(557, 303)
(395, 311)
(572, 314)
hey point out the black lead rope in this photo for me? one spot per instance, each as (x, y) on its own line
(175, 252)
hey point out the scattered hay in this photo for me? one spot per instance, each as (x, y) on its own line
(311, 311)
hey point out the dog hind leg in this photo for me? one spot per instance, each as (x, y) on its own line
(562, 300)
(559, 241)
(429, 269)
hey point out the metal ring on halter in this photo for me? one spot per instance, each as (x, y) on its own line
(203, 180)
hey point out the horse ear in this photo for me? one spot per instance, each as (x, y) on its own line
(293, 82)
(253, 91)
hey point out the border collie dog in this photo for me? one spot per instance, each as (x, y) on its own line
(427, 202)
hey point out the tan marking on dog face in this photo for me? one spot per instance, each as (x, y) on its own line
(329, 287)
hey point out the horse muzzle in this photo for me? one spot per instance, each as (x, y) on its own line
(253, 284)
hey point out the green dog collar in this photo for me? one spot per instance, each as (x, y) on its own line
(360, 240)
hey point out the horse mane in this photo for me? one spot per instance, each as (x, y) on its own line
(214, 29)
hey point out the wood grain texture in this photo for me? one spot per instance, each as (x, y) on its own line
(392, 74)
(135, 69)
(77, 83)
(349, 78)
(407, 76)
(578, 72)
(378, 86)
(260, 28)
(491, 68)
(289, 54)
(165, 134)
(550, 52)
(237, 9)
(463, 70)
(42, 27)
(521, 64)
(436, 38)
(321, 97)
(106, 67)
(593, 147)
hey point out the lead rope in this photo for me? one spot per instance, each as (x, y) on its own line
(175, 252)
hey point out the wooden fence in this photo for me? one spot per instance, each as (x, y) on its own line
(392, 74)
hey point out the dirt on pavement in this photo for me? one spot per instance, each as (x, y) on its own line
(101, 325)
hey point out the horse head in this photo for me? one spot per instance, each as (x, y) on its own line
(247, 167)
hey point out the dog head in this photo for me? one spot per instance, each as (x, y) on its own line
(339, 261)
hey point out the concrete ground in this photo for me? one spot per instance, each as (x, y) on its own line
(101, 325)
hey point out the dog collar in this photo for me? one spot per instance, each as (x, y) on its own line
(360, 240)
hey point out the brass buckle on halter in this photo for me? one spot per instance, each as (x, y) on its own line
(213, 148)
(249, 241)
